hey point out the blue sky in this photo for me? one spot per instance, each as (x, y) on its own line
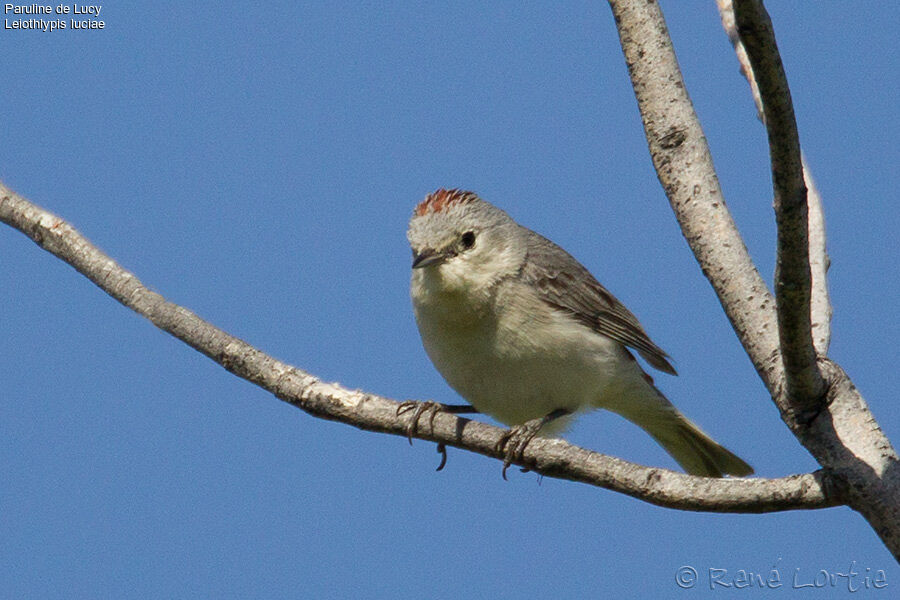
(258, 165)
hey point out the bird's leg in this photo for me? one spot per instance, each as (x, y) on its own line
(433, 408)
(513, 442)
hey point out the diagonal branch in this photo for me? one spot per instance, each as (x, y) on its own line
(818, 254)
(793, 280)
(550, 457)
(685, 169)
(844, 437)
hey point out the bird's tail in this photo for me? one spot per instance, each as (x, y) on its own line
(696, 452)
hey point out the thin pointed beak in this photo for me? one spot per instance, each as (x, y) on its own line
(428, 257)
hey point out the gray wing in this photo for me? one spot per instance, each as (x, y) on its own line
(567, 286)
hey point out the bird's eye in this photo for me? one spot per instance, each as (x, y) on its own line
(468, 239)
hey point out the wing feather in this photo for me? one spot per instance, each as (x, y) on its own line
(566, 285)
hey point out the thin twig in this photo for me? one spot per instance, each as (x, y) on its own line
(550, 457)
(844, 437)
(685, 169)
(819, 262)
(820, 311)
(793, 280)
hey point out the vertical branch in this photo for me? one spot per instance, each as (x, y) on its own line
(685, 169)
(845, 438)
(820, 309)
(818, 254)
(793, 280)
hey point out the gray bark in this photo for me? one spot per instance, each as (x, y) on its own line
(816, 399)
(550, 457)
(837, 428)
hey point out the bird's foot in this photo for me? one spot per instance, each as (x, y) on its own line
(432, 408)
(418, 408)
(513, 443)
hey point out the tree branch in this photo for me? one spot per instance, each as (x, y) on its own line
(843, 435)
(818, 254)
(793, 280)
(819, 262)
(685, 169)
(550, 457)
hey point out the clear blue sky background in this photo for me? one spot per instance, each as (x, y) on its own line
(259, 164)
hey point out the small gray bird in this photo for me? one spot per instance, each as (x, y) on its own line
(524, 332)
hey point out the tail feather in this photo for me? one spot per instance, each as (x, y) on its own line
(696, 452)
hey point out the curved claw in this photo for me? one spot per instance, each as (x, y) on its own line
(419, 408)
(433, 407)
(442, 449)
(513, 443)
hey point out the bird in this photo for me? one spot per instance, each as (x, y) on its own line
(526, 335)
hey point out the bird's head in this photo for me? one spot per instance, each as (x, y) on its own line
(462, 244)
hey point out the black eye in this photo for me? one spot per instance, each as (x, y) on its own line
(468, 239)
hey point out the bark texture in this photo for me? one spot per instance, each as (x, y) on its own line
(820, 308)
(835, 426)
(793, 279)
(550, 457)
(815, 397)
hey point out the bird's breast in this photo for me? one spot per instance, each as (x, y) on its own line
(516, 359)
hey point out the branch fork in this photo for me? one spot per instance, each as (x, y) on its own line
(786, 335)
